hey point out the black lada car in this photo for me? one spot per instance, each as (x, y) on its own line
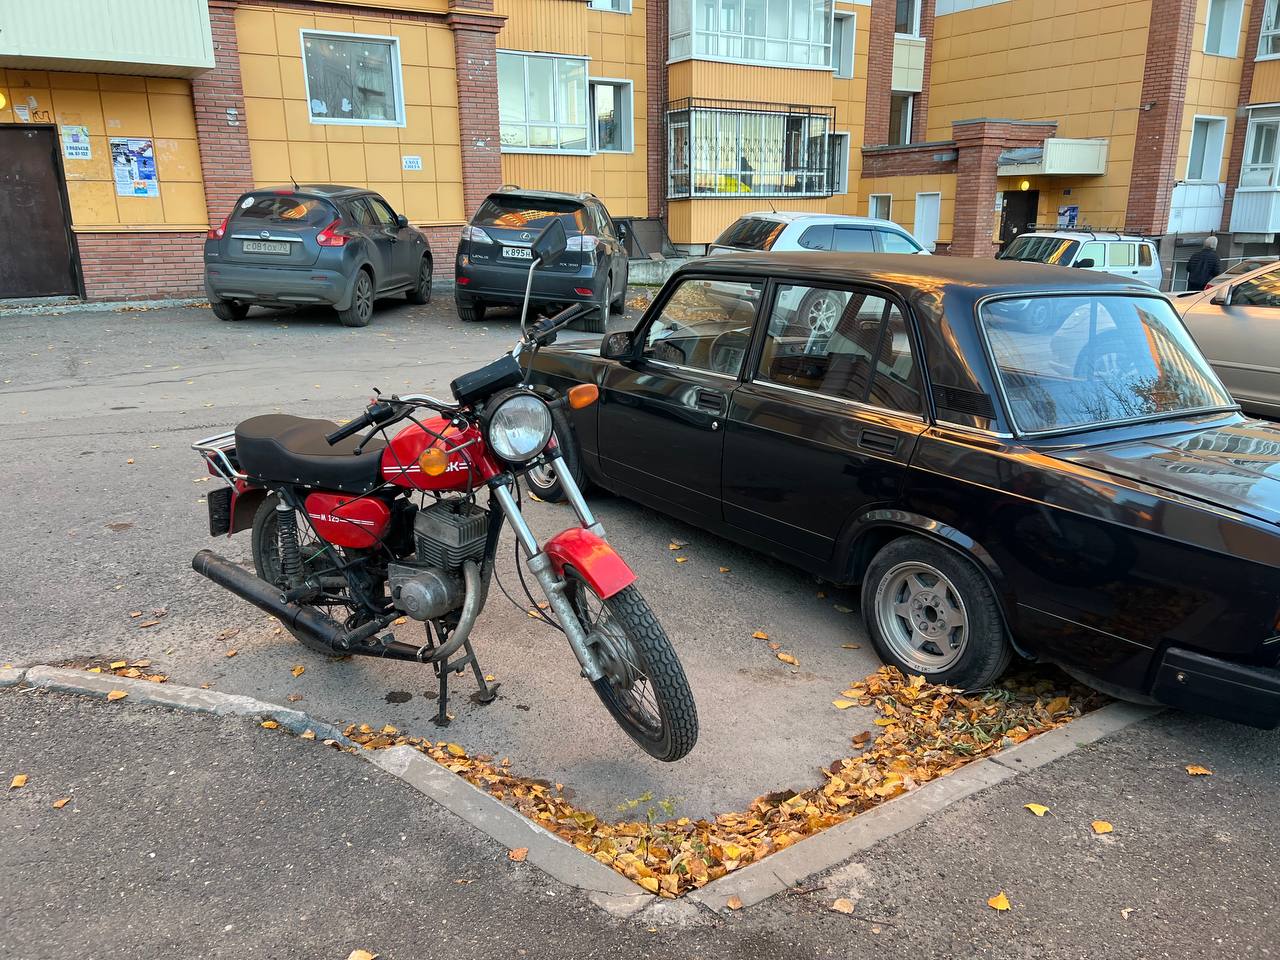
(1009, 458)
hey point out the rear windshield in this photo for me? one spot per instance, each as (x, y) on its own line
(1041, 250)
(529, 213)
(751, 233)
(285, 209)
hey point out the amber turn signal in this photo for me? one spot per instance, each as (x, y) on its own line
(583, 395)
(433, 461)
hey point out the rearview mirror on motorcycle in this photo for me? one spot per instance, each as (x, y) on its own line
(551, 243)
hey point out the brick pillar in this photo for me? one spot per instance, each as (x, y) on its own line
(475, 28)
(1235, 159)
(1164, 86)
(656, 34)
(920, 109)
(218, 99)
(978, 147)
(880, 71)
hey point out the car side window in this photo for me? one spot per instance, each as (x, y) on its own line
(1095, 251)
(853, 240)
(381, 212)
(816, 238)
(359, 212)
(1263, 291)
(892, 242)
(705, 325)
(847, 344)
(1144, 255)
(1120, 254)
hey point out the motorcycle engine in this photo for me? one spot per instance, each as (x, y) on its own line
(447, 534)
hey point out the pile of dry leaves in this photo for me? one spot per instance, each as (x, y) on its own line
(924, 732)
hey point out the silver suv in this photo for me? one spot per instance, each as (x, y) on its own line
(779, 232)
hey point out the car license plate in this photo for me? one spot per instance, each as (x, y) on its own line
(517, 253)
(265, 246)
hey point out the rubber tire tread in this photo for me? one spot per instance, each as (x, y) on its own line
(414, 294)
(229, 310)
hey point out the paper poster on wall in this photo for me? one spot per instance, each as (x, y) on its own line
(133, 165)
(1068, 216)
(22, 112)
(75, 142)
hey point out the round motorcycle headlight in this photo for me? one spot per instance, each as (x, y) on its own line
(519, 427)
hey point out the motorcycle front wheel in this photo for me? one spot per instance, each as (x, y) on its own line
(644, 686)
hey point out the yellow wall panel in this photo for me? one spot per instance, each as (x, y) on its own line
(1266, 82)
(180, 160)
(549, 26)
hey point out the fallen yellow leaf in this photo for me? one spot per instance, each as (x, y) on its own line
(998, 902)
(399, 620)
(269, 725)
(1101, 826)
(61, 802)
(232, 653)
(1039, 809)
(679, 560)
(649, 883)
(362, 955)
(455, 750)
(724, 569)
(298, 670)
(18, 782)
(518, 854)
(734, 902)
(843, 905)
(117, 664)
(884, 721)
(850, 646)
(117, 694)
(843, 704)
(788, 658)
(760, 635)
(308, 734)
(95, 669)
(1198, 771)
(389, 730)
(675, 546)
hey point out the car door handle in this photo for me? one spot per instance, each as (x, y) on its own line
(878, 441)
(710, 400)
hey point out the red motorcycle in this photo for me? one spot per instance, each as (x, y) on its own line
(351, 535)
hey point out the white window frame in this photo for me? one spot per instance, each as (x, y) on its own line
(397, 77)
(1232, 13)
(677, 33)
(915, 21)
(590, 121)
(915, 226)
(607, 6)
(871, 205)
(1267, 117)
(1219, 126)
(629, 101)
(840, 176)
(1269, 13)
(850, 56)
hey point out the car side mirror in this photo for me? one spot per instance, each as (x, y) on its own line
(401, 221)
(550, 244)
(1085, 264)
(618, 346)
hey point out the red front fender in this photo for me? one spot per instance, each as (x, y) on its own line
(598, 563)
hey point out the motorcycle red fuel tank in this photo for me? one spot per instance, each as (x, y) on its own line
(469, 464)
(346, 521)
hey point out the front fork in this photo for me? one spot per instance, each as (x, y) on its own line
(542, 568)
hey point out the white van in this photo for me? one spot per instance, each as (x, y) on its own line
(1125, 256)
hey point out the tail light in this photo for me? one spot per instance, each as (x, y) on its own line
(332, 235)
(584, 242)
(217, 233)
(475, 233)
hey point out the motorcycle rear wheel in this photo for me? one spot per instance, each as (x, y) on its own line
(645, 688)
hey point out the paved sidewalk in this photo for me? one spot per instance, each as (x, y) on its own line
(190, 836)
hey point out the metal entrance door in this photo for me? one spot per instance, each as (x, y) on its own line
(37, 256)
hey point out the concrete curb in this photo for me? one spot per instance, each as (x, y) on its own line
(99, 306)
(606, 888)
(11, 676)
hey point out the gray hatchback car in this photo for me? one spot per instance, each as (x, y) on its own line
(314, 244)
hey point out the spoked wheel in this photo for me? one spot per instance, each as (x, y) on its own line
(819, 313)
(644, 686)
(315, 562)
(922, 617)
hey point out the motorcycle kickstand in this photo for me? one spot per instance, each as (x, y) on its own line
(485, 695)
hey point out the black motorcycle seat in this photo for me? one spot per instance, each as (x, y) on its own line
(285, 449)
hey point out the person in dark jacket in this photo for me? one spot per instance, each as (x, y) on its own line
(1204, 265)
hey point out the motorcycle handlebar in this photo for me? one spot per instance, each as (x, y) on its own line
(377, 413)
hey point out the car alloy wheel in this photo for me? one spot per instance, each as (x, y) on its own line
(922, 616)
(363, 296)
(822, 315)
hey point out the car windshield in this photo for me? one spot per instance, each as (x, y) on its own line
(285, 209)
(529, 213)
(1058, 250)
(1069, 362)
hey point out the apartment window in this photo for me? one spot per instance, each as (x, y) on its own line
(843, 36)
(907, 18)
(1222, 27)
(838, 144)
(1207, 136)
(1259, 169)
(353, 78)
(900, 109)
(778, 32)
(611, 112)
(880, 206)
(1269, 40)
(720, 148)
(613, 6)
(542, 103)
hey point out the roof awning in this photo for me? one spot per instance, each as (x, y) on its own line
(1057, 156)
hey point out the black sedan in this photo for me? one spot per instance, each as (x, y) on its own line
(1009, 458)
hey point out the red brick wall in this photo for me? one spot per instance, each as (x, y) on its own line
(880, 71)
(224, 141)
(475, 48)
(920, 109)
(979, 144)
(1164, 85)
(918, 158)
(656, 94)
(122, 266)
(1235, 159)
